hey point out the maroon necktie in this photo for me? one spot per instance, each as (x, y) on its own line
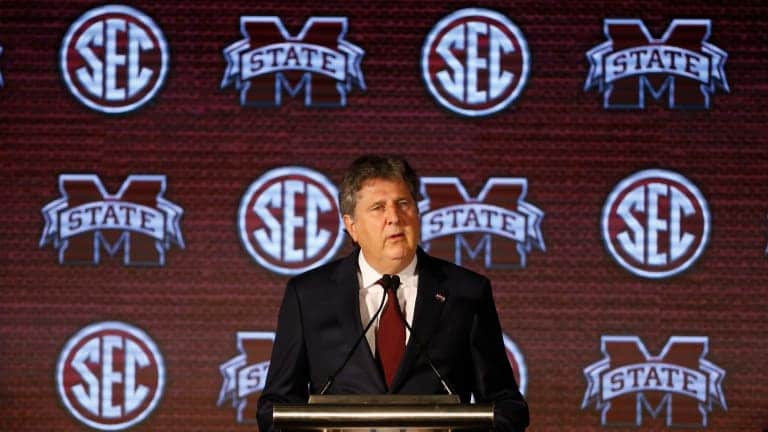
(390, 338)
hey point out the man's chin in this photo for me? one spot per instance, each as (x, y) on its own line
(402, 256)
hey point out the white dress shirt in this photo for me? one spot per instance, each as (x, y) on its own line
(370, 296)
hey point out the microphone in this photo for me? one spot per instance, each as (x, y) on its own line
(386, 281)
(395, 280)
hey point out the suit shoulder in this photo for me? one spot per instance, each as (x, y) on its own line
(321, 276)
(458, 273)
(316, 274)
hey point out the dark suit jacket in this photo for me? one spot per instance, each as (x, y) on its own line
(319, 322)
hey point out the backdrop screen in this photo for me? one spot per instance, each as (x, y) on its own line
(167, 167)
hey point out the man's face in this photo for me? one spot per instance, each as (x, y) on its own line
(385, 223)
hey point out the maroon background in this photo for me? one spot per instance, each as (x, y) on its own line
(557, 136)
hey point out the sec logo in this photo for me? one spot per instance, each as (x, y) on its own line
(289, 220)
(110, 375)
(655, 223)
(114, 59)
(475, 62)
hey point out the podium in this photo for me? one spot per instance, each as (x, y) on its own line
(382, 412)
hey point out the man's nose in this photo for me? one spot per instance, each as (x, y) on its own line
(392, 214)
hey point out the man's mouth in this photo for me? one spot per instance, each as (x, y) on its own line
(396, 236)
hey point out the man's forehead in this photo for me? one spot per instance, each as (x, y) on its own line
(376, 187)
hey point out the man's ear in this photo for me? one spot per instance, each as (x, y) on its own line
(349, 224)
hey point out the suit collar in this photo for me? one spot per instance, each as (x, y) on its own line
(426, 315)
(348, 312)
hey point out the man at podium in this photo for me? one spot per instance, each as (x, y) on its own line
(388, 318)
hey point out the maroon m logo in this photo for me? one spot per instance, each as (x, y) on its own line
(246, 374)
(497, 227)
(679, 383)
(136, 221)
(269, 62)
(681, 64)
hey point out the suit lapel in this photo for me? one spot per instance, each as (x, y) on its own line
(426, 315)
(348, 310)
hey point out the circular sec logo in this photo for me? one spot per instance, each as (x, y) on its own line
(475, 62)
(655, 223)
(289, 220)
(114, 59)
(110, 375)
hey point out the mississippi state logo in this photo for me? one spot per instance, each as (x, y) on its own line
(498, 227)
(632, 64)
(110, 376)
(655, 223)
(245, 374)
(114, 59)
(289, 220)
(136, 222)
(269, 62)
(678, 384)
(517, 361)
(475, 62)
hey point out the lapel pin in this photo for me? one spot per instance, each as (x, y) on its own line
(440, 298)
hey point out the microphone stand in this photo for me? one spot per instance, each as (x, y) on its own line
(332, 377)
(394, 283)
(419, 346)
(431, 364)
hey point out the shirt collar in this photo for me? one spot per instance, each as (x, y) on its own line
(370, 276)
